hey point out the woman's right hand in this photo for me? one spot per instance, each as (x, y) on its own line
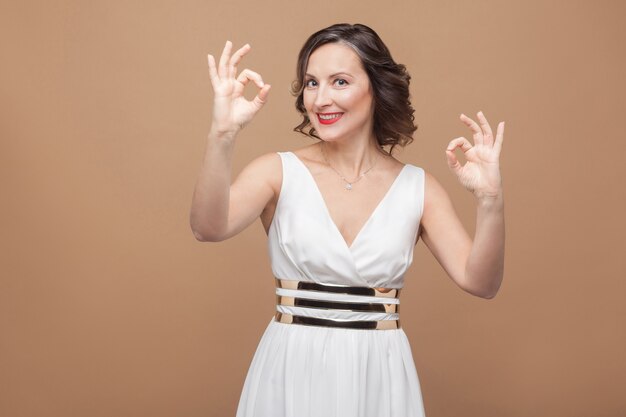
(231, 110)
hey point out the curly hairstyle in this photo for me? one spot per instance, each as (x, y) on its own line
(393, 113)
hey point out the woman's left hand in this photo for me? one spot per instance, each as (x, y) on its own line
(481, 172)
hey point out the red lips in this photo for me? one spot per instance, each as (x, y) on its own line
(330, 121)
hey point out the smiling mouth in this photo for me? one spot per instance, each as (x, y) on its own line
(328, 118)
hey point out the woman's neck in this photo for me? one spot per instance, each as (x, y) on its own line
(351, 158)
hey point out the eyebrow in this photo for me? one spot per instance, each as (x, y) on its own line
(332, 75)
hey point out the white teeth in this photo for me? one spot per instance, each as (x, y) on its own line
(329, 117)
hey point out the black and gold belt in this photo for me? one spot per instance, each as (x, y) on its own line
(330, 305)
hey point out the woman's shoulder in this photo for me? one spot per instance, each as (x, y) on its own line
(265, 169)
(269, 164)
(308, 153)
(268, 167)
(427, 176)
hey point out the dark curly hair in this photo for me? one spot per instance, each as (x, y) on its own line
(393, 113)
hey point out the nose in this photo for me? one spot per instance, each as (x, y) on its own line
(323, 97)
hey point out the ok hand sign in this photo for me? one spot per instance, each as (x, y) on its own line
(481, 172)
(231, 110)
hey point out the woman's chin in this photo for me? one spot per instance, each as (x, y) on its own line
(327, 135)
(328, 138)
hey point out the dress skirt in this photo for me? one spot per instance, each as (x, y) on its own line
(313, 371)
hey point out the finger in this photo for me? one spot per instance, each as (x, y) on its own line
(453, 162)
(462, 142)
(223, 69)
(261, 98)
(247, 75)
(478, 134)
(497, 146)
(488, 134)
(234, 61)
(213, 71)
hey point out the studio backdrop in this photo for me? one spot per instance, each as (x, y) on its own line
(110, 307)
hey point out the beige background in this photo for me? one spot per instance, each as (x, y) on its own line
(110, 307)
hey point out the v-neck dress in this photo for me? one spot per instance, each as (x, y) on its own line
(316, 371)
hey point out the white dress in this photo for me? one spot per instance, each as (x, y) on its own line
(315, 371)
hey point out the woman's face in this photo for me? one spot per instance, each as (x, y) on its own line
(337, 93)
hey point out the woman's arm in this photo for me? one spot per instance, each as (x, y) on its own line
(217, 209)
(220, 210)
(476, 266)
(484, 269)
(208, 216)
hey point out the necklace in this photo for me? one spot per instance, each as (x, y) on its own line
(348, 185)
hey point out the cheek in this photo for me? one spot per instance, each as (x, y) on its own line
(307, 99)
(359, 100)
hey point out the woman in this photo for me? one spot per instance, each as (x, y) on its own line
(342, 217)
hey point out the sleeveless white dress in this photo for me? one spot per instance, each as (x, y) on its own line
(314, 371)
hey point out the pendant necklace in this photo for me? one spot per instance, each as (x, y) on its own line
(348, 185)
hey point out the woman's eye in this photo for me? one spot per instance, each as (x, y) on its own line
(310, 83)
(341, 82)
